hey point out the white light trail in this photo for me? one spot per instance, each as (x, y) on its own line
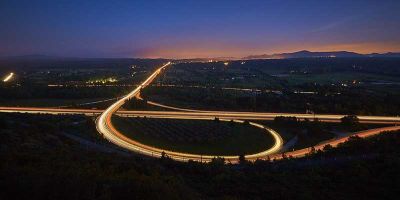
(9, 77)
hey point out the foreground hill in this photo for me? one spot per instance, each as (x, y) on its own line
(59, 157)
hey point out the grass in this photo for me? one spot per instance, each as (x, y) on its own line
(196, 136)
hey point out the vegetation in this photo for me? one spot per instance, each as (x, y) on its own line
(351, 121)
(308, 98)
(64, 157)
(71, 82)
(352, 86)
(343, 86)
(299, 134)
(207, 137)
(305, 133)
(40, 162)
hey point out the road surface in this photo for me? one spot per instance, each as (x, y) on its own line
(106, 128)
(335, 142)
(204, 114)
(126, 141)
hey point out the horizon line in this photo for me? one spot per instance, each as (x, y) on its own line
(184, 58)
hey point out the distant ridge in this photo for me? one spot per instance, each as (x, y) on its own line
(310, 54)
(389, 54)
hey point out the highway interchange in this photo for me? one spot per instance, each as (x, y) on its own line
(108, 131)
(106, 128)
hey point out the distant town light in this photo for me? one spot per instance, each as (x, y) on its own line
(226, 63)
(103, 81)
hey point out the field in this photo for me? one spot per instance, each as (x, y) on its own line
(299, 134)
(196, 136)
(341, 86)
(279, 74)
(340, 77)
(63, 157)
(54, 83)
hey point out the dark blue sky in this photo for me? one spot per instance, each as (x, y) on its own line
(201, 28)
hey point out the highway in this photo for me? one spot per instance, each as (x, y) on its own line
(203, 114)
(256, 116)
(105, 127)
(124, 142)
(269, 116)
(335, 142)
(107, 130)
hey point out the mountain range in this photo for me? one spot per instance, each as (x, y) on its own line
(310, 54)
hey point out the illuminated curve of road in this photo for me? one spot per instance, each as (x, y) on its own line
(105, 127)
(335, 142)
(270, 116)
(176, 115)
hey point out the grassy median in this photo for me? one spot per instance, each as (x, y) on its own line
(207, 137)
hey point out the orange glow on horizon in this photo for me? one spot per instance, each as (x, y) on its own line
(229, 51)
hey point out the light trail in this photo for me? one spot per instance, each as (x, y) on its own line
(335, 143)
(9, 77)
(106, 128)
(167, 107)
(126, 142)
(261, 116)
(204, 114)
(89, 103)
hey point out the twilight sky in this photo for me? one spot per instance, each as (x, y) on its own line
(197, 28)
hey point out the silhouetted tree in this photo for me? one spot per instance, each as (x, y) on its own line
(242, 159)
(350, 121)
